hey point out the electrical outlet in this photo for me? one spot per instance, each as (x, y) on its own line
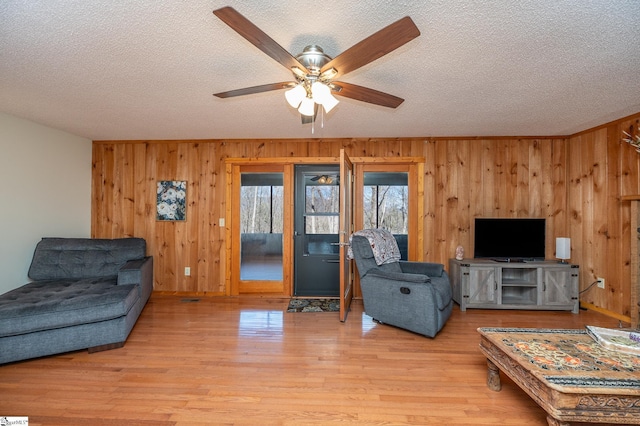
(187, 271)
(600, 282)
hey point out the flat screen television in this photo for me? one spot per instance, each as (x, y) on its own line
(509, 239)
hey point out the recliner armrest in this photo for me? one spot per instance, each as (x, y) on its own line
(399, 276)
(424, 268)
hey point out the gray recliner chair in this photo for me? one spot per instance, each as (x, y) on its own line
(415, 296)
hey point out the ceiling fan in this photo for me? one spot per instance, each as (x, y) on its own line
(326, 179)
(315, 72)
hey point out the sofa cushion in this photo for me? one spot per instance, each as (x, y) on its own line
(78, 258)
(44, 305)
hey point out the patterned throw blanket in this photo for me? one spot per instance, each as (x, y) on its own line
(383, 244)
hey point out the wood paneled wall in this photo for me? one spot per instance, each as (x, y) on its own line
(575, 182)
(491, 178)
(602, 168)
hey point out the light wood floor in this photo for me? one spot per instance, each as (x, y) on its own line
(239, 361)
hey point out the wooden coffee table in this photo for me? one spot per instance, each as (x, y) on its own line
(567, 373)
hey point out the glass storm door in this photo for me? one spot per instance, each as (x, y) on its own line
(261, 224)
(258, 218)
(316, 227)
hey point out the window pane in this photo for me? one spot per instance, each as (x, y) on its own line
(393, 208)
(321, 225)
(386, 205)
(322, 199)
(322, 244)
(261, 209)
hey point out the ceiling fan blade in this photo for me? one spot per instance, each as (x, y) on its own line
(365, 94)
(375, 46)
(257, 37)
(255, 89)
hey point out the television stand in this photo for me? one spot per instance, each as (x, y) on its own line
(491, 284)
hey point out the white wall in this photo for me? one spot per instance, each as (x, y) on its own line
(45, 191)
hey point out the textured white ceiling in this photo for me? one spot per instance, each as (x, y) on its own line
(147, 69)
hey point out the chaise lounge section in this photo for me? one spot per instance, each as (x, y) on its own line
(85, 294)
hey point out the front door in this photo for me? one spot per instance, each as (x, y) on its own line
(316, 231)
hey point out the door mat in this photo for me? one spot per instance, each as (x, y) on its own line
(314, 305)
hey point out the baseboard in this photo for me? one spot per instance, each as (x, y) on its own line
(188, 293)
(592, 307)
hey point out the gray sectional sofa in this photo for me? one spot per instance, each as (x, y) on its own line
(85, 294)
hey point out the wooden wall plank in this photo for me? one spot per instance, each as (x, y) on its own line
(98, 211)
(461, 226)
(555, 196)
(489, 174)
(574, 207)
(533, 175)
(430, 180)
(628, 184)
(614, 244)
(439, 206)
(109, 193)
(142, 197)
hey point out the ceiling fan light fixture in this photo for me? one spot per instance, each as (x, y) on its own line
(320, 92)
(322, 95)
(329, 102)
(295, 96)
(307, 107)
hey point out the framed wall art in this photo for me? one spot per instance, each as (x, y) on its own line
(171, 200)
